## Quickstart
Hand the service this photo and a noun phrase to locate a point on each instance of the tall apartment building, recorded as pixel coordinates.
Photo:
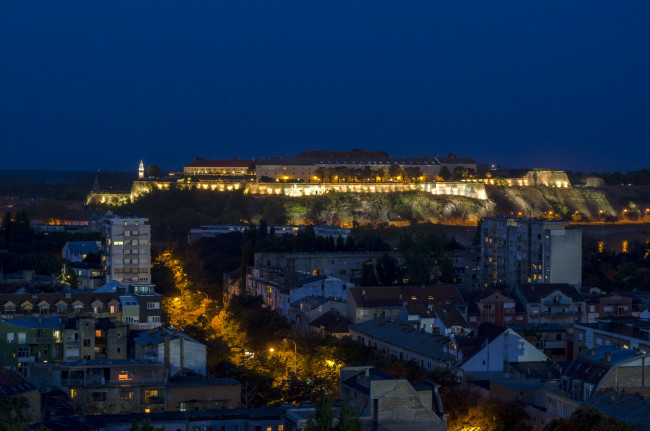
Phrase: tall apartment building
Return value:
(516, 251)
(126, 249)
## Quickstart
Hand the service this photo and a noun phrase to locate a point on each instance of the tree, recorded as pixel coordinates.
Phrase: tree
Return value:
(145, 425)
(153, 171)
(368, 277)
(7, 225)
(387, 271)
(323, 418)
(412, 174)
(11, 413)
(589, 418)
(250, 170)
(349, 419)
(445, 174)
(395, 171)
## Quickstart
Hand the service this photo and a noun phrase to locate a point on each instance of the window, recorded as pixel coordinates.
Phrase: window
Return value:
(10, 337)
(73, 393)
(99, 396)
(153, 319)
(126, 394)
(154, 305)
(123, 375)
(98, 333)
(86, 342)
(22, 337)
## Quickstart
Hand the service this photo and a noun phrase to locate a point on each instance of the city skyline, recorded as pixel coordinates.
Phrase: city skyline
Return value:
(89, 86)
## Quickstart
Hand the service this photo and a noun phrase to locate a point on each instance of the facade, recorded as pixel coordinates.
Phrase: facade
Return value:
(212, 231)
(627, 333)
(89, 275)
(493, 306)
(516, 251)
(177, 351)
(551, 338)
(346, 266)
(552, 303)
(388, 403)
(219, 167)
(126, 249)
(601, 306)
(488, 350)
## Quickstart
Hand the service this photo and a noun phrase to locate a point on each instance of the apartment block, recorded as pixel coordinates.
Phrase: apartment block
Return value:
(126, 249)
(516, 251)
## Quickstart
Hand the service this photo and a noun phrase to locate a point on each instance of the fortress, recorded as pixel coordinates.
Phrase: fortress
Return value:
(313, 173)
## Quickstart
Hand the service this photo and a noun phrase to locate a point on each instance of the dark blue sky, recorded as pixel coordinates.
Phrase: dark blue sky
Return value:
(88, 84)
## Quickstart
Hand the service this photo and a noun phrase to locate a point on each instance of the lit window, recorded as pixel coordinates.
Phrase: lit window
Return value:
(73, 393)
(123, 375)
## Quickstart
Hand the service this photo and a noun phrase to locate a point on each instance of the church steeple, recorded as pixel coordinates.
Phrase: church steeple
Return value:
(141, 170)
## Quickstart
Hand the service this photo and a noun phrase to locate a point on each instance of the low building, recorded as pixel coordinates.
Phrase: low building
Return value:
(346, 266)
(30, 340)
(600, 306)
(212, 231)
(493, 306)
(77, 251)
(599, 371)
(304, 311)
(627, 333)
(193, 393)
(89, 275)
(488, 350)
(551, 338)
(632, 408)
(220, 167)
(175, 349)
(330, 324)
(552, 303)
(389, 403)
(365, 303)
(441, 319)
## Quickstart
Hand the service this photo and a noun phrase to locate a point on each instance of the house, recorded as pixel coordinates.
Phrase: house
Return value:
(365, 303)
(551, 303)
(388, 403)
(188, 393)
(89, 275)
(493, 306)
(29, 340)
(489, 349)
(615, 305)
(598, 371)
(330, 323)
(13, 385)
(551, 338)
(403, 341)
(442, 319)
(175, 349)
(307, 309)
(77, 251)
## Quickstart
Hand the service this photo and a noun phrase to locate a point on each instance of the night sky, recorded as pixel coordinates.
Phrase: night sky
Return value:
(99, 85)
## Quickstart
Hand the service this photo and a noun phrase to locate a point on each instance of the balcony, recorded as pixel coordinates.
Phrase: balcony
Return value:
(42, 340)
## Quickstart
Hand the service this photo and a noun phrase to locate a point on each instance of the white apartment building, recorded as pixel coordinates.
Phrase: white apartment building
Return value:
(516, 251)
(126, 249)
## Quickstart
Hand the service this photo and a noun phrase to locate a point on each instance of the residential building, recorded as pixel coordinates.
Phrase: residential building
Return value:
(551, 338)
(516, 251)
(178, 351)
(488, 350)
(389, 403)
(25, 341)
(191, 393)
(467, 267)
(598, 371)
(444, 319)
(493, 306)
(126, 249)
(366, 303)
(89, 275)
(307, 309)
(279, 290)
(623, 332)
(77, 251)
(106, 386)
(330, 323)
(346, 266)
(403, 341)
(614, 305)
(631, 408)
(551, 303)
(13, 385)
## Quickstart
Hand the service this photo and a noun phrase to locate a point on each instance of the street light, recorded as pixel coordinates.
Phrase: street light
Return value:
(295, 355)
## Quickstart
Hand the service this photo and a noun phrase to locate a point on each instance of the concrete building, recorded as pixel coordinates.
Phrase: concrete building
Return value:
(516, 251)
(126, 249)
(607, 369)
(388, 403)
